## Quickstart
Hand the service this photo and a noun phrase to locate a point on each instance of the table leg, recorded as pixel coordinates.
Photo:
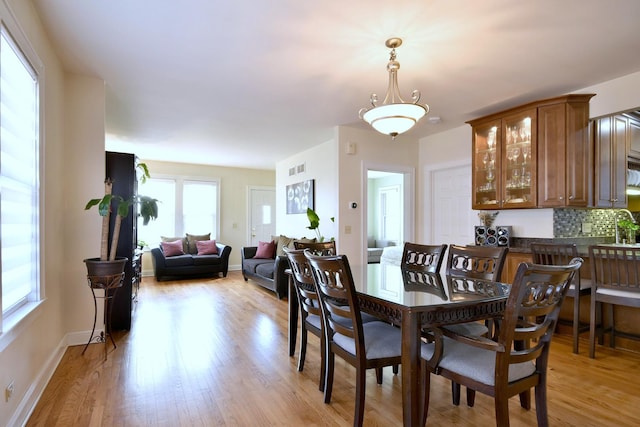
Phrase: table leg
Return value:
(293, 316)
(411, 377)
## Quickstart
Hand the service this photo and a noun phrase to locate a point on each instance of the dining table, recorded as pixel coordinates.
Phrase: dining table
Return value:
(416, 301)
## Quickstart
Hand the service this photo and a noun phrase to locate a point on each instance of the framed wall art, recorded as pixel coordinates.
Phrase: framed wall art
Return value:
(300, 197)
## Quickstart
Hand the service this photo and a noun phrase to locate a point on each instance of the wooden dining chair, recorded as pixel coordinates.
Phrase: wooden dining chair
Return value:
(423, 257)
(561, 254)
(317, 248)
(506, 367)
(310, 311)
(474, 262)
(371, 345)
(615, 280)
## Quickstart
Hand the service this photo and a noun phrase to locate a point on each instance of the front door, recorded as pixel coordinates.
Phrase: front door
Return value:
(262, 218)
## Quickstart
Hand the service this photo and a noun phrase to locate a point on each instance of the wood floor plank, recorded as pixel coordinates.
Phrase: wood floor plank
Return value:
(214, 353)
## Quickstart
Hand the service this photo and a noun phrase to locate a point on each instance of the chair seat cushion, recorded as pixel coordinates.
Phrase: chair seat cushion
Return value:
(381, 340)
(314, 320)
(469, 329)
(618, 293)
(476, 363)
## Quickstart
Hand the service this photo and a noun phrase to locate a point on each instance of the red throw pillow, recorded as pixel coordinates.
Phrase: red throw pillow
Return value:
(172, 248)
(206, 247)
(265, 250)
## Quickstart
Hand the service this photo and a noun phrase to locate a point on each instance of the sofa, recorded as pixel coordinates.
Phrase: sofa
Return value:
(269, 272)
(375, 248)
(189, 263)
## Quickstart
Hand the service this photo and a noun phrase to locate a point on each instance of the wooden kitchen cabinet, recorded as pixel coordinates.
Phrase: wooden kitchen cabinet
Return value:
(504, 161)
(564, 153)
(535, 155)
(611, 137)
(511, 265)
(634, 136)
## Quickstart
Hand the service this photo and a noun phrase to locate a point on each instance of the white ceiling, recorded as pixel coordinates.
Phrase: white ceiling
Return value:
(247, 83)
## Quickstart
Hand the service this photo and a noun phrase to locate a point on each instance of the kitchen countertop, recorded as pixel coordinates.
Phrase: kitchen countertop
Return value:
(521, 244)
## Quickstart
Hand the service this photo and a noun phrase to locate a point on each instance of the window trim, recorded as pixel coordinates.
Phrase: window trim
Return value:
(12, 324)
(179, 183)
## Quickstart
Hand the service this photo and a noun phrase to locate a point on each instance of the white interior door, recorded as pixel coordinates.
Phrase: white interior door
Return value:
(262, 214)
(452, 219)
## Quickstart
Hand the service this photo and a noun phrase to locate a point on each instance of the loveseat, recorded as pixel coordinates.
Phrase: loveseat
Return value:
(375, 248)
(268, 268)
(190, 263)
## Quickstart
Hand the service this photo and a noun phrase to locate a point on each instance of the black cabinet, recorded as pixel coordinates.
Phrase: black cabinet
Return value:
(121, 168)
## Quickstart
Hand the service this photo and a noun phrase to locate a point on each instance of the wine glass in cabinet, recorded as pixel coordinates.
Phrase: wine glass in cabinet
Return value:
(486, 165)
(504, 163)
(519, 192)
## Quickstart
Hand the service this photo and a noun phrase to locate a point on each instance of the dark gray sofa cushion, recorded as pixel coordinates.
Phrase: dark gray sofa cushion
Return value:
(179, 261)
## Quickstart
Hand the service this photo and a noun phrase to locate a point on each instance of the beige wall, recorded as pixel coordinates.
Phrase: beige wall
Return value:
(234, 184)
(321, 166)
(30, 352)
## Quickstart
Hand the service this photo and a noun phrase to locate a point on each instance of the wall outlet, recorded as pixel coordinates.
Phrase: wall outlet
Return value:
(8, 392)
(586, 227)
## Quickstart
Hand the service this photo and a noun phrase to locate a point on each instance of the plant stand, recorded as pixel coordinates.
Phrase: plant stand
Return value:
(110, 285)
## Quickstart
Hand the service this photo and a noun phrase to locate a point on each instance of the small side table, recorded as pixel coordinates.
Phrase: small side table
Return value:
(110, 285)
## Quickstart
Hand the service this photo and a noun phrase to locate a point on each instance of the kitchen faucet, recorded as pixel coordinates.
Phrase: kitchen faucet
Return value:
(616, 223)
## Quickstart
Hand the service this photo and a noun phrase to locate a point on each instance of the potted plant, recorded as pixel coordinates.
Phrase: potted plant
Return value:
(314, 223)
(103, 271)
(630, 229)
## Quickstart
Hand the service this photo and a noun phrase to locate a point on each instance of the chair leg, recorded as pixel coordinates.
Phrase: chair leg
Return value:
(379, 375)
(541, 405)
(471, 397)
(426, 382)
(323, 363)
(303, 347)
(360, 395)
(592, 328)
(576, 320)
(455, 393)
(525, 399)
(502, 412)
(612, 325)
(328, 384)
(395, 369)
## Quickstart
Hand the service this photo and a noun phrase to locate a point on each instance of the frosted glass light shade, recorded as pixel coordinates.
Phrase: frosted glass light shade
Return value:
(394, 119)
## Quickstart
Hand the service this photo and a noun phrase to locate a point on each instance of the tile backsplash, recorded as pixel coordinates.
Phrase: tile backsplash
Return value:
(569, 222)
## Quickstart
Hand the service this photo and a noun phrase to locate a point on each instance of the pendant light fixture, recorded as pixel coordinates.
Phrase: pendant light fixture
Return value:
(393, 116)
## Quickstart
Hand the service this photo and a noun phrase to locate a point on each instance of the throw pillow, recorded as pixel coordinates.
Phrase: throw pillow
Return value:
(172, 248)
(265, 250)
(192, 239)
(206, 247)
(173, 239)
(283, 242)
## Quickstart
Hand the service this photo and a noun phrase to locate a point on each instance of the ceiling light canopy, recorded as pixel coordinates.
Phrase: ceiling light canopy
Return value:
(394, 116)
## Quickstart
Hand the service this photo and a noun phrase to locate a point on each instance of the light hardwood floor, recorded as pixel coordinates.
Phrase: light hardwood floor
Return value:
(214, 353)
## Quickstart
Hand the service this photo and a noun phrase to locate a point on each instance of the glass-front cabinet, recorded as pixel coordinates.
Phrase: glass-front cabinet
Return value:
(504, 161)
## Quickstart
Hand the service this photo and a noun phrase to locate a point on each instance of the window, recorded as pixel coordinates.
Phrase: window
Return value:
(184, 206)
(19, 179)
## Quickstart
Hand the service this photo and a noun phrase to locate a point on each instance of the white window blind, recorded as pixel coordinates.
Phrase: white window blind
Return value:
(200, 200)
(19, 154)
(165, 191)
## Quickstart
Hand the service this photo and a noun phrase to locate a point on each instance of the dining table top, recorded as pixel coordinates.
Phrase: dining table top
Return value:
(413, 288)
